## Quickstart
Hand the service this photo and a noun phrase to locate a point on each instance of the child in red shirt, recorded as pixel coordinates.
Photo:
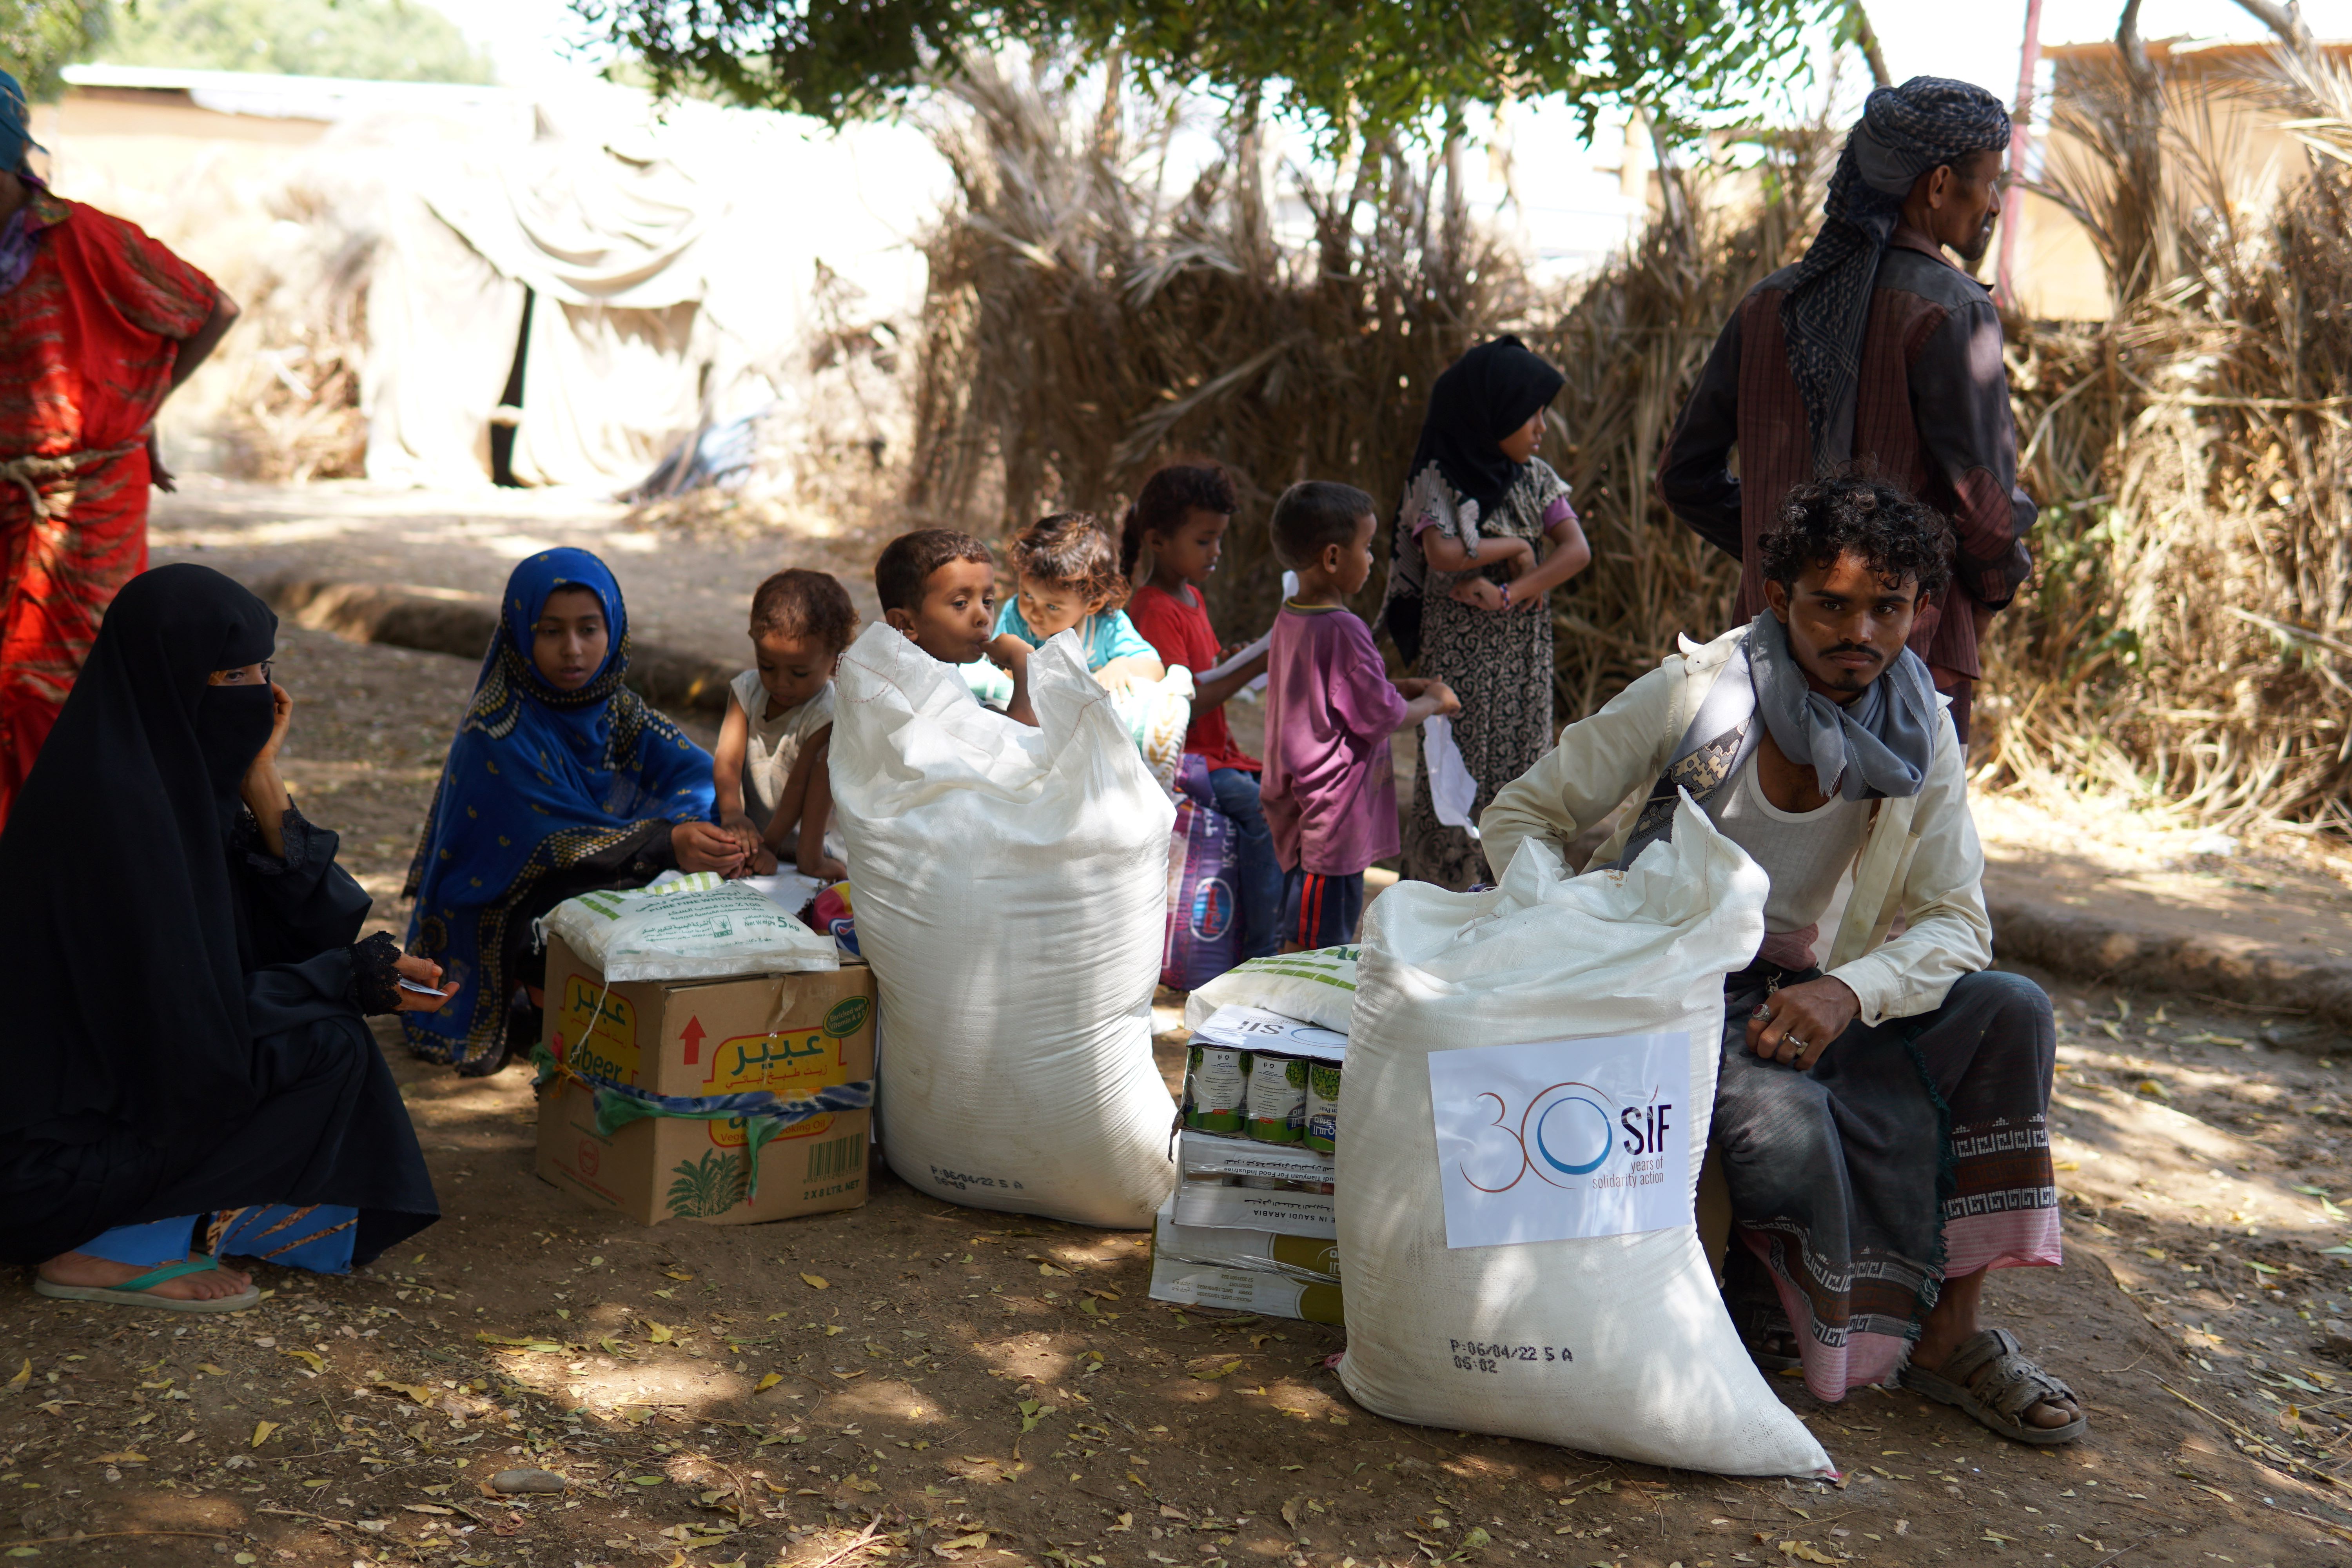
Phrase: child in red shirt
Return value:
(1169, 545)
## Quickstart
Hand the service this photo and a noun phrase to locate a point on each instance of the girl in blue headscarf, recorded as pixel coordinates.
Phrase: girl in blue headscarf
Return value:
(561, 780)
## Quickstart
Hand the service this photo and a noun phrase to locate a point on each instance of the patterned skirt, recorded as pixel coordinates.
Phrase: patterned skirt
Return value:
(1500, 664)
(1912, 1152)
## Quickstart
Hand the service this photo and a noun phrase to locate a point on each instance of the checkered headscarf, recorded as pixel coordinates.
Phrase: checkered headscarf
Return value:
(1905, 131)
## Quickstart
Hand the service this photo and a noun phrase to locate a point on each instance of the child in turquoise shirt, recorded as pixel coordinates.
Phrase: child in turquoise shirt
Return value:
(1070, 581)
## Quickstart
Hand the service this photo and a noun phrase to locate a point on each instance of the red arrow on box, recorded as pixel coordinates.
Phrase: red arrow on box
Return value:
(692, 1034)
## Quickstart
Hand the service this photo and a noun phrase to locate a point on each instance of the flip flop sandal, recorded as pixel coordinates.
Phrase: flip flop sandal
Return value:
(1992, 1378)
(134, 1292)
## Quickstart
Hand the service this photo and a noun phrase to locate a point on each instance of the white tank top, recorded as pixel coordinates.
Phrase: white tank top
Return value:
(1803, 852)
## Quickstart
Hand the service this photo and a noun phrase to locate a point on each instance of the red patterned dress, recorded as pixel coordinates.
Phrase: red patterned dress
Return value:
(88, 343)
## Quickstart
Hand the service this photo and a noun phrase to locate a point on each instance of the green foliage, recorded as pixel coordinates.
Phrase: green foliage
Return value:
(1348, 68)
(37, 37)
(708, 1187)
(377, 40)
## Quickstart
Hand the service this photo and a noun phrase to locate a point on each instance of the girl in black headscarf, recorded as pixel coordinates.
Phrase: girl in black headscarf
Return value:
(186, 1036)
(1465, 595)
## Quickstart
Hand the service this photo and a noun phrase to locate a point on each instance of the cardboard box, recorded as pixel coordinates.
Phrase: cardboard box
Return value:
(1225, 1154)
(1312, 1258)
(1245, 1270)
(791, 1034)
(1211, 1204)
(1245, 1290)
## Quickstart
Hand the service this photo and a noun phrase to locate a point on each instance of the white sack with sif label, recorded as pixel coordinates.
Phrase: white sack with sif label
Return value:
(1011, 893)
(1529, 1083)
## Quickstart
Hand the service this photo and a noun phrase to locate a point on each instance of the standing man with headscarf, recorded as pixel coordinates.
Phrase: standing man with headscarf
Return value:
(98, 324)
(1876, 349)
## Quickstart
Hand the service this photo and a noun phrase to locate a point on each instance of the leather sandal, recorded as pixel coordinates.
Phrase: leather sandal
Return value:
(1776, 1327)
(1992, 1378)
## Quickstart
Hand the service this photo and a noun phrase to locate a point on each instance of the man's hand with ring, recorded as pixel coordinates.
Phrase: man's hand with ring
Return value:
(1801, 1020)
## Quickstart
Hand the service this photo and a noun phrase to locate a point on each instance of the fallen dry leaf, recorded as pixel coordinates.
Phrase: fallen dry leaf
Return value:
(22, 1378)
(261, 1431)
(1225, 1371)
(311, 1359)
(126, 1458)
(415, 1391)
(815, 1283)
(769, 1381)
(657, 1333)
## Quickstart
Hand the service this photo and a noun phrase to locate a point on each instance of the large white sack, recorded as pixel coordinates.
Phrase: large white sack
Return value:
(1012, 893)
(1478, 1337)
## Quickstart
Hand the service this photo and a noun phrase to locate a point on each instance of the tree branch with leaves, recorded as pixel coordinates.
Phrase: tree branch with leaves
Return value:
(1352, 70)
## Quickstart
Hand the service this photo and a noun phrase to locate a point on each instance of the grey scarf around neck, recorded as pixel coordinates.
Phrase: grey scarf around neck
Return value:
(1879, 744)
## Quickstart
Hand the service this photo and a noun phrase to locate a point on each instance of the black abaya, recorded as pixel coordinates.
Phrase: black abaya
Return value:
(185, 1033)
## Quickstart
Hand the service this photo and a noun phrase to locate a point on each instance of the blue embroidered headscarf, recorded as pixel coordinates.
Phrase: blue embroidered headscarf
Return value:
(16, 235)
(537, 781)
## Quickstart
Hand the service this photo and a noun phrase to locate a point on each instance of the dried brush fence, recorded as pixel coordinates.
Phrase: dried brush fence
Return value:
(2189, 635)
(1081, 330)
(295, 415)
(1630, 341)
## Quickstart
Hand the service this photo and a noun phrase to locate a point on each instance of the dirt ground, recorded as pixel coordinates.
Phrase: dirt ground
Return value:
(910, 1380)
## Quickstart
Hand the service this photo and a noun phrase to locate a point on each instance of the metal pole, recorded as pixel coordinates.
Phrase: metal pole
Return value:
(2021, 139)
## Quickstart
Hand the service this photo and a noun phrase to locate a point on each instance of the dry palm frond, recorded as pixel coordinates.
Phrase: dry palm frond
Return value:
(295, 415)
(2190, 634)
(1081, 328)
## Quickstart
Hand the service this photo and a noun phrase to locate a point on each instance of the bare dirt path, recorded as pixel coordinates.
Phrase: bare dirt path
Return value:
(946, 1382)
(692, 594)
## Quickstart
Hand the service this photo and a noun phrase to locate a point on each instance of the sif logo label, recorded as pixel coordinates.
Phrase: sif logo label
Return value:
(1562, 1139)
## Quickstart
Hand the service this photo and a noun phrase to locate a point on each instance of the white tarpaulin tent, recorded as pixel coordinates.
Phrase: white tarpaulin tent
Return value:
(684, 264)
(606, 249)
(670, 258)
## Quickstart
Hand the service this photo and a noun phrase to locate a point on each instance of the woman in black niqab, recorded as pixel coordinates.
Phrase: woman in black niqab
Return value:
(187, 1035)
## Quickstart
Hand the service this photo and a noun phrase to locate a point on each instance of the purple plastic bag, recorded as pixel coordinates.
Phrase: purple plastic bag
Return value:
(1204, 935)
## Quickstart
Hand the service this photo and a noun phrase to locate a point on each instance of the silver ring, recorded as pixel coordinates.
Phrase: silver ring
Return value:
(1792, 1040)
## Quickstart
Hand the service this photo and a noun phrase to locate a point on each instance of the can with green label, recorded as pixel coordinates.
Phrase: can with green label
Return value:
(1323, 1107)
(1277, 1100)
(1216, 1084)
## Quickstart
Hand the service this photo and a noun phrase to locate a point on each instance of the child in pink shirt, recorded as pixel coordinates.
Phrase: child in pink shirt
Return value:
(1330, 707)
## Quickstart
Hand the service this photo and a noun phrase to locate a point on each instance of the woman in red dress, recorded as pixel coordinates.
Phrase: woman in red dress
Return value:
(98, 324)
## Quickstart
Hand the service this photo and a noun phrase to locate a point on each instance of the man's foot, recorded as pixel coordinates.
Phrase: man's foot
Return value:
(1775, 1350)
(1990, 1376)
(98, 1273)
